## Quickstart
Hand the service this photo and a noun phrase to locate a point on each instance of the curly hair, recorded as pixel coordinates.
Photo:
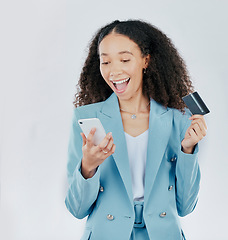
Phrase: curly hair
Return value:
(166, 79)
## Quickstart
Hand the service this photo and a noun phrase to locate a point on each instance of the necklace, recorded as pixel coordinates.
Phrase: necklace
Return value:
(133, 115)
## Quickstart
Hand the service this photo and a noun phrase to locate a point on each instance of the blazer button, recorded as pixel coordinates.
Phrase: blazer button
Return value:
(101, 189)
(170, 187)
(163, 214)
(110, 217)
(173, 159)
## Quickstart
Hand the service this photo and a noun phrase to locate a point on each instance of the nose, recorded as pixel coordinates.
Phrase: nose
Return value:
(115, 71)
(116, 74)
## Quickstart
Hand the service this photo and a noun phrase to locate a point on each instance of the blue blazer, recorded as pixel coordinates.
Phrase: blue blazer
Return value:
(109, 191)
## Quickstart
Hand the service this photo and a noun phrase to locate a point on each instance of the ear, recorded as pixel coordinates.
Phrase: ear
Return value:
(146, 60)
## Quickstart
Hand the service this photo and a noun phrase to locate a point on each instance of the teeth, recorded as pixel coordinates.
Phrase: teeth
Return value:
(119, 82)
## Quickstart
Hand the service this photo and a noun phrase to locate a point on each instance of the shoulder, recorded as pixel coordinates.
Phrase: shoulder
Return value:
(88, 111)
(91, 110)
(181, 120)
(180, 116)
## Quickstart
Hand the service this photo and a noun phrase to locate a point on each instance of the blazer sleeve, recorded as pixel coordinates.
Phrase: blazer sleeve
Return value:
(82, 193)
(187, 177)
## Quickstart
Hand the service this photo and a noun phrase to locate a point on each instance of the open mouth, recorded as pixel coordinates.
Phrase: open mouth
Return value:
(121, 86)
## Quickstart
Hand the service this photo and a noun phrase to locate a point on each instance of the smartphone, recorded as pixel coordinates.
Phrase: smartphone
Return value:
(89, 123)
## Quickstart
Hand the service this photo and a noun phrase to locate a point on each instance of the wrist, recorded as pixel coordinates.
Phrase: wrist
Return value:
(187, 150)
(86, 171)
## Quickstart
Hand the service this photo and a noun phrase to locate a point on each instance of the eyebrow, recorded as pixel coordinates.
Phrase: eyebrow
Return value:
(122, 52)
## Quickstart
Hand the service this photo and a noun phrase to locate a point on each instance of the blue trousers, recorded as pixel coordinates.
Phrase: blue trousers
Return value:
(139, 231)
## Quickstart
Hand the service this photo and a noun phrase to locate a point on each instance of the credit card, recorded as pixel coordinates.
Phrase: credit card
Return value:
(195, 104)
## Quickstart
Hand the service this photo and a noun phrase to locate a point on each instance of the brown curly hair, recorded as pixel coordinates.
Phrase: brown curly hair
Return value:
(166, 79)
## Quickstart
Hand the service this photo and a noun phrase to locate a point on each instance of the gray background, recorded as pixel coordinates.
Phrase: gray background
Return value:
(43, 46)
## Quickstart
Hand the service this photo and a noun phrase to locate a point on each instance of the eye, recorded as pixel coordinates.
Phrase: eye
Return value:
(105, 63)
(126, 60)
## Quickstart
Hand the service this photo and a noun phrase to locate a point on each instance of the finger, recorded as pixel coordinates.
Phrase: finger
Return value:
(193, 135)
(105, 141)
(83, 139)
(197, 130)
(204, 123)
(90, 137)
(201, 125)
(112, 150)
(201, 118)
(109, 145)
(197, 116)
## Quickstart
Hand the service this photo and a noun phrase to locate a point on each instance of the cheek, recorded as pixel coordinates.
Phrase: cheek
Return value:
(135, 71)
(135, 68)
(103, 72)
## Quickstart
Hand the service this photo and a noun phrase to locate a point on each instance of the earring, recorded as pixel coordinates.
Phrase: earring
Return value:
(144, 70)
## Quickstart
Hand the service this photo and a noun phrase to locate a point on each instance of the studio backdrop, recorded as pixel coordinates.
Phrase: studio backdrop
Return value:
(44, 45)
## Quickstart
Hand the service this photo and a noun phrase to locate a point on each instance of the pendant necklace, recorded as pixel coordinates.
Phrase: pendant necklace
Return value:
(133, 115)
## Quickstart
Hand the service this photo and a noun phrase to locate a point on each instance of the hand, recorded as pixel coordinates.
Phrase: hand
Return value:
(195, 133)
(93, 155)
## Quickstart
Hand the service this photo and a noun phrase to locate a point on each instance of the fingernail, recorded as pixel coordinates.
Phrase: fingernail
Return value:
(110, 134)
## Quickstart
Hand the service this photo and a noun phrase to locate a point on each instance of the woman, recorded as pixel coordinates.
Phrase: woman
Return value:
(145, 172)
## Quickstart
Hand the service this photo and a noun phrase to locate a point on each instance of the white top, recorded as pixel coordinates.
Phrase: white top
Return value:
(137, 153)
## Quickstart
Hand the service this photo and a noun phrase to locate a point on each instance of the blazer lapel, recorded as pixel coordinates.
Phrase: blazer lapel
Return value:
(111, 119)
(160, 123)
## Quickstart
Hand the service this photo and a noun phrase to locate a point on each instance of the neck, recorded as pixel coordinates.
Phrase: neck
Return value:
(135, 104)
